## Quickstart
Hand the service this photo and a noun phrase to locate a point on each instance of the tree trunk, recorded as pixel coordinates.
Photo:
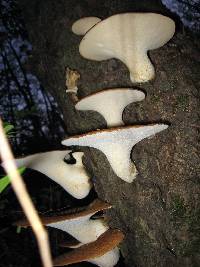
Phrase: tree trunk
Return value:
(159, 211)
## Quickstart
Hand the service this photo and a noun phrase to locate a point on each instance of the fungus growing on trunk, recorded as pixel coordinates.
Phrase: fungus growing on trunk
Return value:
(110, 103)
(116, 144)
(128, 37)
(101, 252)
(81, 26)
(72, 177)
(77, 224)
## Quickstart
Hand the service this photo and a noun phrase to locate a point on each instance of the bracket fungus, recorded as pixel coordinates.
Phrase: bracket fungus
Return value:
(102, 252)
(81, 26)
(77, 224)
(72, 177)
(110, 103)
(116, 144)
(128, 37)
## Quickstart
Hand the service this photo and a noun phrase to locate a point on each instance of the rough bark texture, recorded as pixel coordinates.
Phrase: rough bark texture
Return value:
(159, 211)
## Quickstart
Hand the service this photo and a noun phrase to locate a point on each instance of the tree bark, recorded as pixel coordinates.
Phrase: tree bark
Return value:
(159, 211)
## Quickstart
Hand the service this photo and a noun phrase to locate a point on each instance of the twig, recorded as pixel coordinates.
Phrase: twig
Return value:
(24, 199)
(72, 77)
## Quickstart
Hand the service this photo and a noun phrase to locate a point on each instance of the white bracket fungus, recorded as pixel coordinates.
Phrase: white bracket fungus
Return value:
(77, 224)
(128, 37)
(110, 103)
(81, 26)
(102, 252)
(116, 144)
(72, 177)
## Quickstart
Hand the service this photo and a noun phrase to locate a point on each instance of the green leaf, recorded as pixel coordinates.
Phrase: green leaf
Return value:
(21, 170)
(5, 181)
(8, 127)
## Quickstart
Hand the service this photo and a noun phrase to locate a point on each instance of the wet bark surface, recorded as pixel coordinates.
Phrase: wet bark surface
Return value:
(159, 211)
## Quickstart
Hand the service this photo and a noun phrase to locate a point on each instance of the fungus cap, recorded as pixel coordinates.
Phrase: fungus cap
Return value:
(128, 37)
(77, 224)
(73, 178)
(100, 251)
(110, 103)
(109, 259)
(116, 144)
(81, 26)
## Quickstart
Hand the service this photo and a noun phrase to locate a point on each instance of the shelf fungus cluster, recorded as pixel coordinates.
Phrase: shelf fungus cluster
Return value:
(95, 242)
(126, 37)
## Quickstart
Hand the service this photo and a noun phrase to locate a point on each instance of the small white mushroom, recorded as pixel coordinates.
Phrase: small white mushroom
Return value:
(102, 252)
(110, 103)
(77, 224)
(128, 37)
(116, 144)
(72, 177)
(81, 26)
